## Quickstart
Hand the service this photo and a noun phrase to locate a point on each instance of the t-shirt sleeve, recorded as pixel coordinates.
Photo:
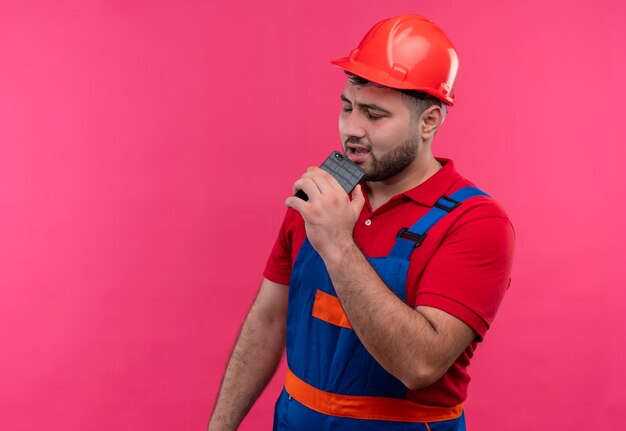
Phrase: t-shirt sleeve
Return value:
(469, 274)
(280, 261)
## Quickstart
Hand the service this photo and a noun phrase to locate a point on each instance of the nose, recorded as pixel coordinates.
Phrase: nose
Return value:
(350, 125)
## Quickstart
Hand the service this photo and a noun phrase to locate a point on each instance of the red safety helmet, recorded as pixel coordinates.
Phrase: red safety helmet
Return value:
(407, 52)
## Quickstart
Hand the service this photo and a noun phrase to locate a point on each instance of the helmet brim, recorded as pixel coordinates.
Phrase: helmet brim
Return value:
(383, 78)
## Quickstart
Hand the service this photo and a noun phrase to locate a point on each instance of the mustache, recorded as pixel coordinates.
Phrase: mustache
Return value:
(356, 140)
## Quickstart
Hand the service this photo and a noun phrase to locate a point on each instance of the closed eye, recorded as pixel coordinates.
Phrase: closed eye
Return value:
(373, 117)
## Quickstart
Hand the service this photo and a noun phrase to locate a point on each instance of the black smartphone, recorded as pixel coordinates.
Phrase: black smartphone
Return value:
(339, 166)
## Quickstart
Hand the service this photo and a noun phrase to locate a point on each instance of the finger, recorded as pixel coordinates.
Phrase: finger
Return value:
(307, 174)
(326, 181)
(334, 182)
(323, 183)
(358, 200)
(308, 186)
(295, 203)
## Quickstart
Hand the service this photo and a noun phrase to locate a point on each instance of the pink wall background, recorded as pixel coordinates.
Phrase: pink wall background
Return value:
(146, 148)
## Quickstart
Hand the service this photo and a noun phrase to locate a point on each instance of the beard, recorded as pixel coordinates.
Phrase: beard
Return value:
(393, 162)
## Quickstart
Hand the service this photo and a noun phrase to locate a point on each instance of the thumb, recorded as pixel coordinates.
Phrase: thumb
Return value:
(358, 200)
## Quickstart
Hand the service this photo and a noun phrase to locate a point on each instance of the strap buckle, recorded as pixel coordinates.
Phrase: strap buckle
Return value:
(442, 203)
(404, 233)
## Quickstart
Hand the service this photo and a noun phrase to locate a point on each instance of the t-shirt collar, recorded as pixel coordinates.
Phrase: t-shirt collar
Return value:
(428, 192)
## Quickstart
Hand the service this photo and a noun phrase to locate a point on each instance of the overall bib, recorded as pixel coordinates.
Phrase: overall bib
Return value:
(332, 382)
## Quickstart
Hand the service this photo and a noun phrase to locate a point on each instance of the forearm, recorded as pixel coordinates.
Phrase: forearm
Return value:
(401, 339)
(252, 364)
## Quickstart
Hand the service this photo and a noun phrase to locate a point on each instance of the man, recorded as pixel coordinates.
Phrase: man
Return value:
(380, 297)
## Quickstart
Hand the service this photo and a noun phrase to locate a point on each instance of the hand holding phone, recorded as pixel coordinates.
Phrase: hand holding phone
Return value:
(339, 166)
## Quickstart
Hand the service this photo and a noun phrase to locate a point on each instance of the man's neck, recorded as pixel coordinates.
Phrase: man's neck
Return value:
(379, 192)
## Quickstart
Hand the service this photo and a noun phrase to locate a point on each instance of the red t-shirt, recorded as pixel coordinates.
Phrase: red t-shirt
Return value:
(463, 266)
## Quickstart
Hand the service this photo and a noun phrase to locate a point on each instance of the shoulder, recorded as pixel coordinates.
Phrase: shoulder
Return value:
(477, 207)
(292, 232)
(293, 222)
(478, 243)
(480, 224)
(286, 247)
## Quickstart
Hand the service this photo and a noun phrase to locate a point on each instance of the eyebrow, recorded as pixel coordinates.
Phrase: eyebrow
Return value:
(365, 105)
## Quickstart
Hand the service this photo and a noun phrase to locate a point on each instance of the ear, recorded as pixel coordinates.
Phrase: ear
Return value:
(431, 120)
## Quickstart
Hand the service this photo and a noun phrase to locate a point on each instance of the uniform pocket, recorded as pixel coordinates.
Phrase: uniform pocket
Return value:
(327, 307)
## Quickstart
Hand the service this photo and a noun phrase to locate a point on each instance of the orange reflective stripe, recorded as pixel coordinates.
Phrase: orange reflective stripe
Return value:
(328, 308)
(362, 407)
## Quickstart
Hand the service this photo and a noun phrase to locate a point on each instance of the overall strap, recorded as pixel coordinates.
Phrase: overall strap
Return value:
(412, 237)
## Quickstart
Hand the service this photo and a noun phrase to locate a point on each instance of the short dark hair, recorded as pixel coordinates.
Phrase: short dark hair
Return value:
(417, 101)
